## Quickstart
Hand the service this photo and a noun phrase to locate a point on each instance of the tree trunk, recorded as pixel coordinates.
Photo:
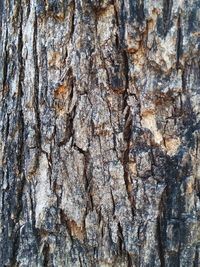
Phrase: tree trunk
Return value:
(99, 133)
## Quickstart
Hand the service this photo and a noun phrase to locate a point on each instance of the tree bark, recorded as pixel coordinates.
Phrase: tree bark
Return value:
(99, 132)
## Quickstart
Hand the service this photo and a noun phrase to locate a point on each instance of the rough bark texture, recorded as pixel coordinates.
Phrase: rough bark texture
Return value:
(100, 109)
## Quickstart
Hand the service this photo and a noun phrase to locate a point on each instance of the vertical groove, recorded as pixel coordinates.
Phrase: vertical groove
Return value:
(160, 243)
(167, 8)
(36, 84)
(179, 42)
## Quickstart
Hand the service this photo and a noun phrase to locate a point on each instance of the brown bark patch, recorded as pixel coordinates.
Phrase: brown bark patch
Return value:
(61, 91)
(76, 230)
(54, 59)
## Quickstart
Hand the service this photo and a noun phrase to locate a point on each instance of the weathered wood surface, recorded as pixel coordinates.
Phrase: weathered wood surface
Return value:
(100, 108)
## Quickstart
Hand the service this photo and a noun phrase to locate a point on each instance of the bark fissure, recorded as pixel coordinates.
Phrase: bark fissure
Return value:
(99, 133)
(167, 7)
(179, 42)
(36, 87)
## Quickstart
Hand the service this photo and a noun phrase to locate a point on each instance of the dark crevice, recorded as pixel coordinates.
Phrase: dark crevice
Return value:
(65, 221)
(167, 8)
(127, 138)
(32, 204)
(137, 11)
(184, 80)
(19, 185)
(71, 81)
(69, 131)
(122, 21)
(128, 127)
(80, 261)
(21, 148)
(179, 42)
(116, 16)
(45, 252)
(28, 8)
(117, 41)
(44, 74)
(196, 259)
(80, 150)
(1, 17)
(140, 11)
(113, 201)
(5, 64)
(88, 180)
(7, 127)
(36, 85)
(16, 240)
(126, 69)
(120, 239)
(130, 264)
(72, 19)
(160, 243)
(126, 76)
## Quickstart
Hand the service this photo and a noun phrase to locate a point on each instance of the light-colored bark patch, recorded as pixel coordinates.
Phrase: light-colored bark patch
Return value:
(149, 122)
(172, 145)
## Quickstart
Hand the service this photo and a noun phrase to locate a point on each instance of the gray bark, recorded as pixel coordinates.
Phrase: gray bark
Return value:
(99, 133)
